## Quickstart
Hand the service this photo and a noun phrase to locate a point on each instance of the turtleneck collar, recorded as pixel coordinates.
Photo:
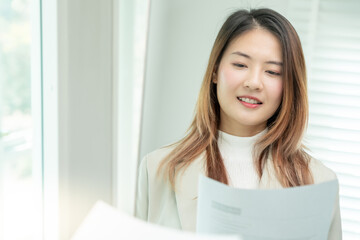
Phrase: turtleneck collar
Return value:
(239, 142)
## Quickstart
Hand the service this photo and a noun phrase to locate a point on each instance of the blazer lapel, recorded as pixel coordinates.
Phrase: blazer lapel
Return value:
(186, 189)
(186, 192)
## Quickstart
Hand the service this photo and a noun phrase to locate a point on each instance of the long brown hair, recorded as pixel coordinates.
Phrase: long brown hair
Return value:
(282, 142)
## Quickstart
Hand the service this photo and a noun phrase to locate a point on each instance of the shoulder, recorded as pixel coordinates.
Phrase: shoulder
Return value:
(320, 172)
(152, 160)
(160, 153)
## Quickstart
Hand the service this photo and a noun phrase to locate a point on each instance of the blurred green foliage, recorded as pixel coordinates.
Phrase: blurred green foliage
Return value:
(15, 75)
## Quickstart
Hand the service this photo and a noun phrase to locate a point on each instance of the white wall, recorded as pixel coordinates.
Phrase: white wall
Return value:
(181, 35)
(78, 125)
(130, 38)
(88, 94)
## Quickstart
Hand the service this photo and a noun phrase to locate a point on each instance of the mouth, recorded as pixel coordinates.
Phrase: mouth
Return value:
(248, 100)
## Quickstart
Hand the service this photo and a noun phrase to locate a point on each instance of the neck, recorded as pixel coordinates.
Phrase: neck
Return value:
(242, 131)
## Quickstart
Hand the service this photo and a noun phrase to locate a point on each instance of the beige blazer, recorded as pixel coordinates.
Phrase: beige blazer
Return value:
(158, 203)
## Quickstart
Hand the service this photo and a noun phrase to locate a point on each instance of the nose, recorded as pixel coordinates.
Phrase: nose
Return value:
(254, 81)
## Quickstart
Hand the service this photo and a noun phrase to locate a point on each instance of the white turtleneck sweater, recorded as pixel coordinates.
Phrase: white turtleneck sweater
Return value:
(238, 159)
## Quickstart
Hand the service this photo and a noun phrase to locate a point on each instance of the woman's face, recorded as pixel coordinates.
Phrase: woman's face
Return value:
(249, 82)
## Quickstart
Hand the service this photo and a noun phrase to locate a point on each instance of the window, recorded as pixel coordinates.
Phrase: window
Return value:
(330, 34)
(20, 114)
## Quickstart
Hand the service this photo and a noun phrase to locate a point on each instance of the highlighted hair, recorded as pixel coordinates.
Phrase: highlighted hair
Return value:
(282, 143)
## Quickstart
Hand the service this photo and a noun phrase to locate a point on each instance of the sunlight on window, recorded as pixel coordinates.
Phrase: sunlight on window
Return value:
(17, 195)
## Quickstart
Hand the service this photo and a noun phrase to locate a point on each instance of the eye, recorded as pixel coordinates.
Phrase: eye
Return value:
(273, 73)
(239, 65)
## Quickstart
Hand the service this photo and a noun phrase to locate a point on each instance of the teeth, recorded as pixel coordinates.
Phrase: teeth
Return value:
(249, 100)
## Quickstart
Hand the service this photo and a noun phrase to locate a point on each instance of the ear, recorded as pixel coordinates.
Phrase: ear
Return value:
(214, 74)
(214, 77)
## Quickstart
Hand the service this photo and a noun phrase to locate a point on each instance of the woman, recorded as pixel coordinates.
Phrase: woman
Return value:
(250, 118)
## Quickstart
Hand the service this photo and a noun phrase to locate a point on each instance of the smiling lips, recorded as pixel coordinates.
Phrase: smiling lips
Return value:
(249, 102)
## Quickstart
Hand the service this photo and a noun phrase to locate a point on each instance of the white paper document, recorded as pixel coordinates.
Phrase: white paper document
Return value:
(107, 223)
(298, 213)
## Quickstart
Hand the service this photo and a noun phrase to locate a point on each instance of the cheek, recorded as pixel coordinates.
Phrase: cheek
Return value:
(228, 78)
(276, 89)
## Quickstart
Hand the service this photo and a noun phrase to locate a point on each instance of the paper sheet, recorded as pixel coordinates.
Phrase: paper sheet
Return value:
(292, 213)
(107, 223)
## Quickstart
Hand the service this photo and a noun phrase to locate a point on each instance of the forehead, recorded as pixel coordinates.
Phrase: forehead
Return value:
(257, 43)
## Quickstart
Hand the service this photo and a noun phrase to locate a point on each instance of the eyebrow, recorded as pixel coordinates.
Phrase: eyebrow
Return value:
(247, 56)
(241, 54)
(274, 62)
